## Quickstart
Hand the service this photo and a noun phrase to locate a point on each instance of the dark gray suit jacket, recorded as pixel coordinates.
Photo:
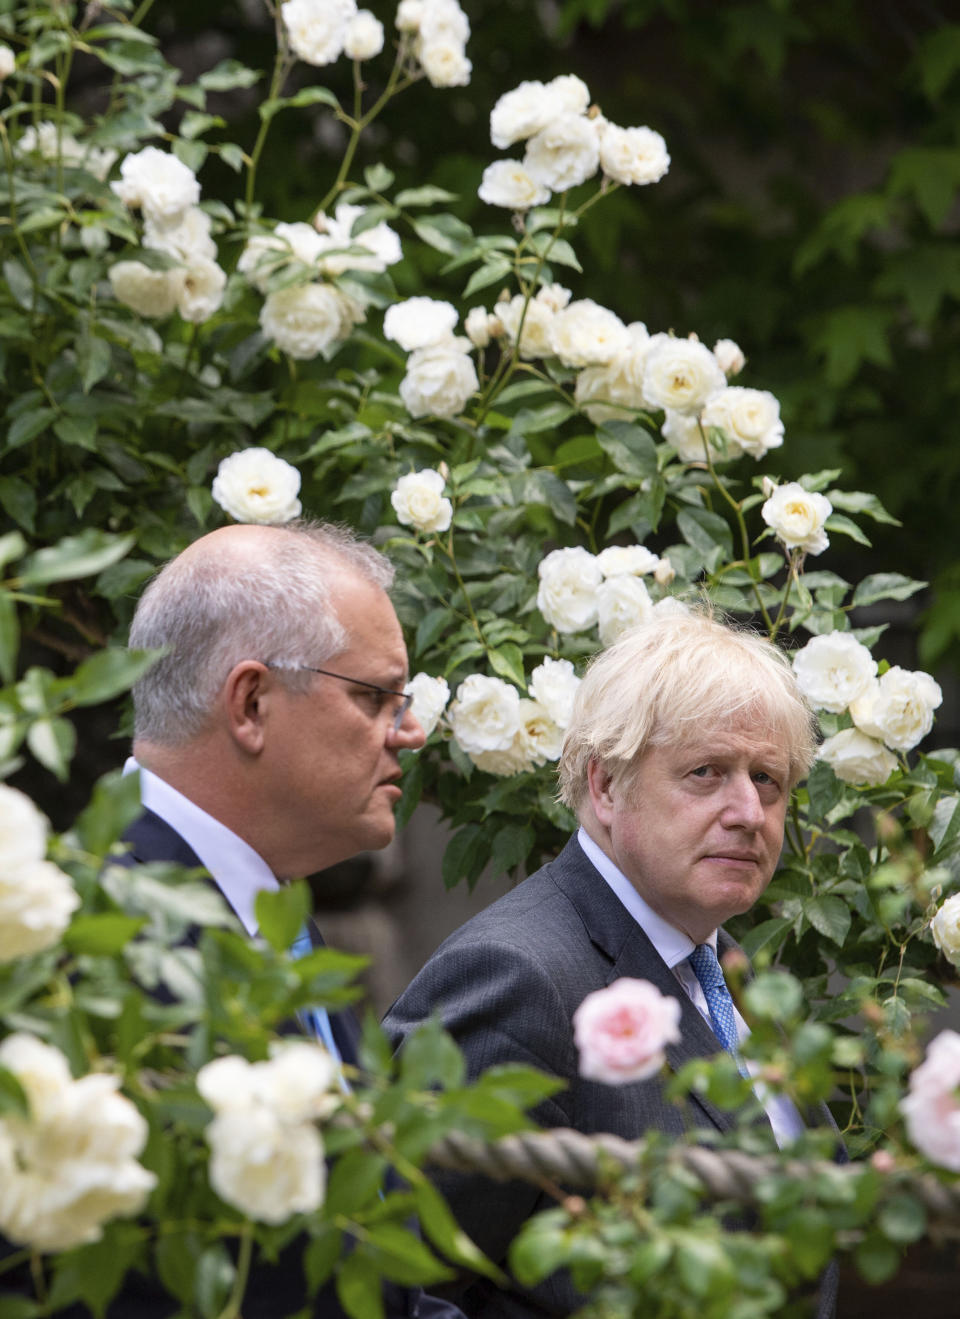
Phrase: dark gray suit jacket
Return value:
(506, 986)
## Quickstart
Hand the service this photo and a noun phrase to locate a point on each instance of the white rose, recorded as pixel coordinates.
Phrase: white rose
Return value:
(565, 153)
(23, 830)
(8, 62)
(439, 380)
(47, 141)
(152, 293)
(228, 1082)
(201, 290)
(682, 432)
(381, 243)
(430, 697)
(633, 155)
(254, 485)
(307, 320)
(534, 337)
(444, 20)
(185, 239)
(36, 903)
(617, 559)
(536, 741)
(569, 93)
(300, 1081)
(159, 183)
(932, 1107)
(586, 334)
(317, 28)
(521, 113)
(622, 1031)
(898, 707)
(797, 517)
(42, 1070)
(832, 670)
(364, 36)
(749, 420)
(670, 606)
(267, 1168)
(664, 572)
(622, 603)
(485, 715)
(419, 322)
(681, 374)
(729, 355)
(264, 254)
(409, 14)
(506, 183)
(856, 758)
(477, 326)
(567, 595)
(418, 501)
(553, 685)
(445, 63)
(945, 929)
(612, 391)
(553, 296)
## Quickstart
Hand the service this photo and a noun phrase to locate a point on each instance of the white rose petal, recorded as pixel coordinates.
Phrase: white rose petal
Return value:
(586, 334)
(300, 1080)
(201, 289)
(683, 433)
(254, 485)
(23, 830)
(485, 715)
(418, 501)
(534, 337)
(478, 326)
(898, 707)
(317, 28)
(617, 559)
(613, 391)
(553, 685)
(159, 183)
(623, 602)
(419, 322)
(506, 183)
(521, 113)
(440, 380)
(748, 419)
(364, 36)
(153, 293)
(371, 249)
(680, 375)
(537, 740)
(945, 929)
(730, 358)
(563, 154)
(409, 14)
(445, 63)
(430, 697)
(444, 20)
(832, 670)
(36, 903)
(633, 155)
(856, 758)
(622, 1031)
(308, 320)
(186, 239)
(664, 572)
(569, 93)
(569, 582)
(266, 1168)
(932, 1106)
(797, 517)
(8, 62)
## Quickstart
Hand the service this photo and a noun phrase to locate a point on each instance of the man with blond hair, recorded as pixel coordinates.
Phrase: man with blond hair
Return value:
(687, 738)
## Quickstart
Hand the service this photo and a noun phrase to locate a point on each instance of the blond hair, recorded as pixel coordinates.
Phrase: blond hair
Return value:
(670, 679)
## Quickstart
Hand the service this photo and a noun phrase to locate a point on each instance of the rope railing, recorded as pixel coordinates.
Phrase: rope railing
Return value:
(577, 1162)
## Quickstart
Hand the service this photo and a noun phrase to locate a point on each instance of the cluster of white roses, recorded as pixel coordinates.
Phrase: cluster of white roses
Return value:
(266, 1154)
(311, 316)
(254, 485)
(440, 375)
(890, 713)
(71, 1165)
(579, 590)
(566, 143)
(36, 898)
(50, 142)
(418, 501)
(167, 192)
(438, 31)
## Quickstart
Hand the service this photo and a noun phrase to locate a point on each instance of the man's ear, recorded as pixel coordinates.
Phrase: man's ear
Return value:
(244, 695)
(601, 789)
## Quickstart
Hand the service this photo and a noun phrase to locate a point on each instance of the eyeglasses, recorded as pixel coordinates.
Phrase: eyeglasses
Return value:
(406, 698)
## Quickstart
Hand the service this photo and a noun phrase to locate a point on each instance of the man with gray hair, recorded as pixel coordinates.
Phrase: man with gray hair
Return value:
(267, 738)
(686, 740)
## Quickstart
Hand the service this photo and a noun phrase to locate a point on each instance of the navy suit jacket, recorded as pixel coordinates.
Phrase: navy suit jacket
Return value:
(506, 986)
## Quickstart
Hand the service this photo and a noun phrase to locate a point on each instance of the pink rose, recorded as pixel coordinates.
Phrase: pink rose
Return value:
(932, 1108)
(621, 1031)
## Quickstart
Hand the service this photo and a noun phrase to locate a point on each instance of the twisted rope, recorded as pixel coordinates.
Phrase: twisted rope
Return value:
(577, 1162)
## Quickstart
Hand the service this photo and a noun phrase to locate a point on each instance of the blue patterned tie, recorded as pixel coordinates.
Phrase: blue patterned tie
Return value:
(703, 959)
(316, 1020)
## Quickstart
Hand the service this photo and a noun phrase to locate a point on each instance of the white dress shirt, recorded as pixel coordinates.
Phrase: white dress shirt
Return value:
(675, 948)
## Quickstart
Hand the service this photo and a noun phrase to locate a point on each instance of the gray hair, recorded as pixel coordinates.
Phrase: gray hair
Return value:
(668, 680)
(213, 606)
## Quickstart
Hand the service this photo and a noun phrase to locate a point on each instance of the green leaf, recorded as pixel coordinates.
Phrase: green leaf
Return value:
(358, 1288)
(13, 1098)
(108, 673)
(885, 586)
(824, 790)
(9, 638)
(321, 1255)
(282, 913)
(512, 844)
(876, 1258)
(28, 426)
(424, 196)
(767, 932)
(444, 233)
(631, 447)
(228, 75)
(493, 271)
(507, 661)
(442, 1230)
(378, 178)
(811, 1237)
(847, 337)
(837, 522)
(830, 916)
(538, 1250)
(103, 935)
(402, 1257)
(707, 532)
(114, 804)
(356, 1180)
(53, 742)
(75, 556)
(214, 1279)
(903, 1218)
(459, 855)
(431, 1058)
(775, 996)
(931, 175)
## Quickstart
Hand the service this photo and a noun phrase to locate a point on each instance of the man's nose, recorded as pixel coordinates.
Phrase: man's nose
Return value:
(742, 807)
(409, 736)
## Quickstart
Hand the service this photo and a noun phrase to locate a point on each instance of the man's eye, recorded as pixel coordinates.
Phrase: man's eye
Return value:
(701, 771)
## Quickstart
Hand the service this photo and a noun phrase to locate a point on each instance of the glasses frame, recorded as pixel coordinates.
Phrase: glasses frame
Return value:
(406, 697)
